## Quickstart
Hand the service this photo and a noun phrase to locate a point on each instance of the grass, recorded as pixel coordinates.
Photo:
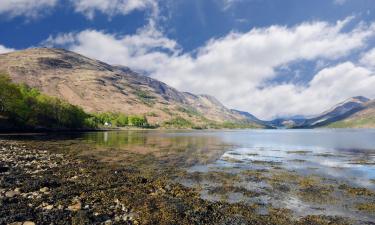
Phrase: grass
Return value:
(354, 123)
(145, 97)
(189, 111)
(178, 122)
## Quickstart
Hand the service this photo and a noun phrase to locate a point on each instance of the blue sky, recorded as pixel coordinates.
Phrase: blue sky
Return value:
(269, 57)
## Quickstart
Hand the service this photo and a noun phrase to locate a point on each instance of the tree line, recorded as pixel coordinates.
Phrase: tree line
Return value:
(27, 107)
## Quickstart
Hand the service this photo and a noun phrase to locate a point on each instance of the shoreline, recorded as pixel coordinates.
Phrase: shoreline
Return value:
(51, 184)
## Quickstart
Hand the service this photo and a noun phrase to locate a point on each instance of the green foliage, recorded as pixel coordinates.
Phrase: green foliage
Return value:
(119, 120)
(138, 121)
(27, 107)
(152, 114)
(189, 110)
(354, 123)
(167, 111)
(145, 97)
(179, 122)
(231, 125)
(122, 120)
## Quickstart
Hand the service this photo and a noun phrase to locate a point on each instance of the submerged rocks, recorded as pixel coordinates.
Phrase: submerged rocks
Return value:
(65, 189)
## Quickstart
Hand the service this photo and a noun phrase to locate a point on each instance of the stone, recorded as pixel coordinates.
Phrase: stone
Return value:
(28, 223)
(48, 207)
(15, 223)
(76, 206)
(44, 189)
(11, 194)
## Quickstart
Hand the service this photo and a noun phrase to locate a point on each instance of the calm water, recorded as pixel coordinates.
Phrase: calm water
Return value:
(337, 156)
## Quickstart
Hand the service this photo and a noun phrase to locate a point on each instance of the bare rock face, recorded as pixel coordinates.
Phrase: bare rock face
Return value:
(99, 87)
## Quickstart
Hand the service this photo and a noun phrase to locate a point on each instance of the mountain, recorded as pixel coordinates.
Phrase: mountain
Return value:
(247, 115)
(251, 118)
(338, 112)
(364, 118)
(286, 122)
(100, 87)
(352, 109)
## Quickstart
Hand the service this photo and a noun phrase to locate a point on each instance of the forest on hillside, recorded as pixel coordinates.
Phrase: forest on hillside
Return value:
(23, 107)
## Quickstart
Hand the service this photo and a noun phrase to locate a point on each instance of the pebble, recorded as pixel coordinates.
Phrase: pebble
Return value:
(108, 222)
(74, 178)
(11, 194)
(76, 206)
(48, 207)
(28, 223)
(44, 190)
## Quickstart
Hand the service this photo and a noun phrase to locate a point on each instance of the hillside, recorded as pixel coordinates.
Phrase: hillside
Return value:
(364, 118)
(99, 87)
(338, 112)
(354, 112)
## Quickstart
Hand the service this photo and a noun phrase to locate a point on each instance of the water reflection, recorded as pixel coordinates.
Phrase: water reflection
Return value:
(166, 148)
(251, 166)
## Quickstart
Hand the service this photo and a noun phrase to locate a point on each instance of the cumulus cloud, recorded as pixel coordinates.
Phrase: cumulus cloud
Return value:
(27, 8)
(237, 67)
(4, 49)
(145, 51)
(112, 7)
(368, 59)
(328, 87)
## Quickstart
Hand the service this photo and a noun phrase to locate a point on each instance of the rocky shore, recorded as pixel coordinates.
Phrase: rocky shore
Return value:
(40, 185)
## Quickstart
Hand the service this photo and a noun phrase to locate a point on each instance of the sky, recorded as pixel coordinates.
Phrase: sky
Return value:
(272, 58)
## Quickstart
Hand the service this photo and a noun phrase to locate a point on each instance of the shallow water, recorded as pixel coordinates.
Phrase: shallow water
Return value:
(307, 171)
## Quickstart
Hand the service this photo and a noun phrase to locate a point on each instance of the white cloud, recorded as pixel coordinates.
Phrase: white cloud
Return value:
(27, 8)
(368, 59)
(236, 68)
(112, 7)
(328, 87)
(4, 49)
(145, 51)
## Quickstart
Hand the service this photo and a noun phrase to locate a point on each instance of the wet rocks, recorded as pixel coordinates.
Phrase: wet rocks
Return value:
(12, 193)
(76, 206)
(58, 187)
(28, 223)
(23, 223)
(44, 190)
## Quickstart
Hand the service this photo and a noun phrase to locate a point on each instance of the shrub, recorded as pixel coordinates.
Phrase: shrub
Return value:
(179, 122)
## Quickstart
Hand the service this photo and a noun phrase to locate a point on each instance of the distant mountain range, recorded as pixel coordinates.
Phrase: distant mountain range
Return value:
(100, 87)
(354, 112)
